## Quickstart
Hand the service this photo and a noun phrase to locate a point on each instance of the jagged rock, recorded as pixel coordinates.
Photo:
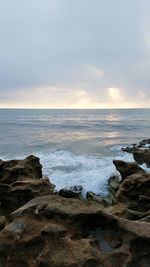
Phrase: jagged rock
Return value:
(135, 190)
(19, 183)
(35, 187)
(144, 142)
(13, 170)
(18, 193)
(56, 231)
(142, 156)
(72, 192)
(92, 196)
(60, 232)
(127, 168)
(104, 201)
(113, 184)
(130, 149)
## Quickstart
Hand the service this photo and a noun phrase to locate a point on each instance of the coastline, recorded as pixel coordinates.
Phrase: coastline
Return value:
(41, 227)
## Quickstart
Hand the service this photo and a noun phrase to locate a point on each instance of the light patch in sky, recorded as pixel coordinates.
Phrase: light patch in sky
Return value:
(115, 94)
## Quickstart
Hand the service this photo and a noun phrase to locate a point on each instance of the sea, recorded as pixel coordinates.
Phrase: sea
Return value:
(75, 147)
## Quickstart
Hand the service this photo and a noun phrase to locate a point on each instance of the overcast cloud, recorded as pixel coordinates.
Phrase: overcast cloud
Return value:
(74, 53)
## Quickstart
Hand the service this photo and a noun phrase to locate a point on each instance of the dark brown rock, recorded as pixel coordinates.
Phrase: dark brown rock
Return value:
(142, 156)
(2, 222)
(145, 142)
(113, 184)
(35, 187)
(130, 149)
(127, 168)
(135, 191)
(18, 193)
(72, 192)
(13, 170)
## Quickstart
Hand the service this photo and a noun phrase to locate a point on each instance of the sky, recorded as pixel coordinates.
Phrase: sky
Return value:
(74, 54)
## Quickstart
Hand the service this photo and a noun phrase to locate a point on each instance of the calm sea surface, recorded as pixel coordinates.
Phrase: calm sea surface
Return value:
(75, 146)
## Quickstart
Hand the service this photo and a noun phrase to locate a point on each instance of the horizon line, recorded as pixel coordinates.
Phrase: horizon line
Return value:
(24, 108)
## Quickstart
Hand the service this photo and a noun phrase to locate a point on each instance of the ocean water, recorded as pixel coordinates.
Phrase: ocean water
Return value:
(76, 147)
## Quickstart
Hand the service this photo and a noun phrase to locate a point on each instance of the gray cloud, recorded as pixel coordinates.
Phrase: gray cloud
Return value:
(82, 48)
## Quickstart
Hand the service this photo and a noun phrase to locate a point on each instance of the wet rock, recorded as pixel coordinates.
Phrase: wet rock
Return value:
(72, 192)
(142, 156)
(13, 170)
(127, 168)
(130, 149)
(144, 142)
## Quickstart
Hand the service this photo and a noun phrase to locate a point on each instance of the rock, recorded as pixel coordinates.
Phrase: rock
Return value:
(129, 149)
(142, 156)
(18, 193)
(19, 183)
(35, 187)
(62, 232)
(108, 200)
(113, 184)
(51, 230)
(72, 192)
(13, 170)
(144, 142)
(92, 196)
(135, 190)
(104, 201)
(127, 168)
(2, 222)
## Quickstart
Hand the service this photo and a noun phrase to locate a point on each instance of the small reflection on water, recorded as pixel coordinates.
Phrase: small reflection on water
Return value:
(112, 134)
(113, 117)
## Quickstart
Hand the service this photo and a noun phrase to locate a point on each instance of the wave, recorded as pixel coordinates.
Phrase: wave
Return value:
(66, 169)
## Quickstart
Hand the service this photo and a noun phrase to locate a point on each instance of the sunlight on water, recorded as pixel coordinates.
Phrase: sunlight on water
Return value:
(75, 146)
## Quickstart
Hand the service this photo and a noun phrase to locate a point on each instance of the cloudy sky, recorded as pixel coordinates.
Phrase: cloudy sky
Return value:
(74, 53)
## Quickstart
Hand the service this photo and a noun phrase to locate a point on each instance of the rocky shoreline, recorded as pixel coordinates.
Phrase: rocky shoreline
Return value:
(40, 227)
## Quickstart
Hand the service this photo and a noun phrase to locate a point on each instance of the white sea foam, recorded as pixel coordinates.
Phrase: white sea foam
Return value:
(66, 169)
(144, 166)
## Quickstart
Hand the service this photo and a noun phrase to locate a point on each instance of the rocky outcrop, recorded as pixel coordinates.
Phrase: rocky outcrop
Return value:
(39, 228)
(56, 231)
(145, 142)
(127, 168)
(137, 147)
(13, 170)
(20, 181)
(135, 190)
(142, 156)
(17, 194)
(131, 149)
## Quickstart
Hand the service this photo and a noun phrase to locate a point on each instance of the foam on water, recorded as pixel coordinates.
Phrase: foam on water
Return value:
(144, 166)
(66, 169)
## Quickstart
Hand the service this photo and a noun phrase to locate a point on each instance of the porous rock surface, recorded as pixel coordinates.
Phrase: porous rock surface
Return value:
(47, 230)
